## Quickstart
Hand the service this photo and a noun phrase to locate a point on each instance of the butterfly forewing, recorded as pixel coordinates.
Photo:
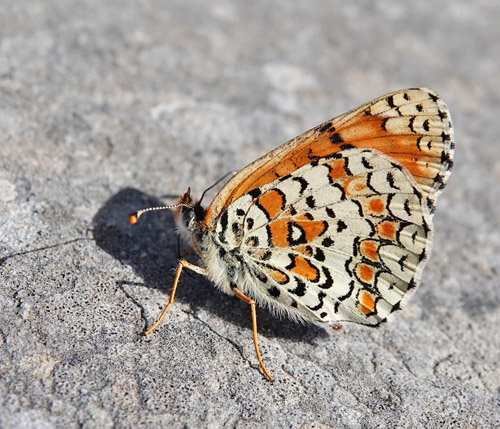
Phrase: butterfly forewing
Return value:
(412, 126)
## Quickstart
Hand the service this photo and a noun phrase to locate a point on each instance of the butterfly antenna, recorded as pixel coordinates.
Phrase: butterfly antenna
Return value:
(134, 217)
(232, 173)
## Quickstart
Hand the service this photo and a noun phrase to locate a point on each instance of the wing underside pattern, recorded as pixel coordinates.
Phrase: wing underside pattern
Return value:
(411, 126)
(342, 238)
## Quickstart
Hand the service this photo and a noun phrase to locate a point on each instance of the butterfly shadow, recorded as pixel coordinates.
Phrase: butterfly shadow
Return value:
(149, 247)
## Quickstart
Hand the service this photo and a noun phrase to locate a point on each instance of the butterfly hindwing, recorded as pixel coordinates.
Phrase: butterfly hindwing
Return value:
(343, 238)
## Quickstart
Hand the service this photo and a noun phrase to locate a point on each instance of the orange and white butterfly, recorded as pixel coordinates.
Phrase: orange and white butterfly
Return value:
(336, 224)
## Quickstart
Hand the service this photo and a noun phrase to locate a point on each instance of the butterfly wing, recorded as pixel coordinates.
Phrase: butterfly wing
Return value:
(412, 126)
(342, 238)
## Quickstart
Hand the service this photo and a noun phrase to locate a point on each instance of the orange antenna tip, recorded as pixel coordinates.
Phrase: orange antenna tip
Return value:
(133, 218)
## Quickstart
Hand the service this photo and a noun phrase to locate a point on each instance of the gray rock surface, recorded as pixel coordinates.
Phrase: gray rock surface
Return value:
(106, 107)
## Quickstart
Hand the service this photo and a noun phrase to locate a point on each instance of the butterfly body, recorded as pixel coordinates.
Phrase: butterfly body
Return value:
(311, 245)
(336, 224)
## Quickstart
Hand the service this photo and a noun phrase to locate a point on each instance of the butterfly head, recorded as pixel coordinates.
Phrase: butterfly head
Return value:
(189, 211)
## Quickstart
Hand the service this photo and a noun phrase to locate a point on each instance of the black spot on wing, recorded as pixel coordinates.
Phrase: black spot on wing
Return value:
(410, 124)
(328, 283)
(346, 266)
(372, 226)
(235, 227)
(402, 261)
(346, 166)
(274, 292)
(360, 208)
(388, 205)
(327, 242)
(330, 212)
(341, 189)
(296, 234)
(390, 180)
(223, 223)
(445, 159)
(250, 223)
(347, 146)
(412, 284)
(344, 297)
(326, 127)
(303, 184)
(407, 207)
(434, 97)
(446, 137)
(285, 177)
(366, 164)
(267, 255)
(442, 115)
(319, 255)
(369, 185)
(255, 193)
(300, 289)
(321, 295)
(336, 139)
(341, 226)
(418, 142)
(252, 241)
(260, 275)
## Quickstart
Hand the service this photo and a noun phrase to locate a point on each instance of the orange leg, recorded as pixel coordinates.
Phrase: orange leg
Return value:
(182, 264)
(250, 301)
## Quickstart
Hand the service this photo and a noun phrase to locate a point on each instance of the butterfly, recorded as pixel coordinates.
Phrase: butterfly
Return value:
(333, 226)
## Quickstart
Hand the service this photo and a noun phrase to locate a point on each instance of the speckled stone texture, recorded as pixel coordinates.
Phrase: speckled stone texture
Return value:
(111, 106)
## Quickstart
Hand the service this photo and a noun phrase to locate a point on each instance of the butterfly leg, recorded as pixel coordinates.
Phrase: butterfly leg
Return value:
(251, 302)
(182, 264)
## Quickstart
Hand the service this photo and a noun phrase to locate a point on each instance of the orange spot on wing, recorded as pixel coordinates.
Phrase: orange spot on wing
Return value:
(280, 277)
(273, 202)
(354, 185)
(306, 250)
(301, 217)
(365, 272)
(376, 205)
(386, 229)
(279, 232)
(337, 170)
(358, 187)
(369, 249)
(346, 183)
(304, 269)
(312, 229)
(366, 302)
